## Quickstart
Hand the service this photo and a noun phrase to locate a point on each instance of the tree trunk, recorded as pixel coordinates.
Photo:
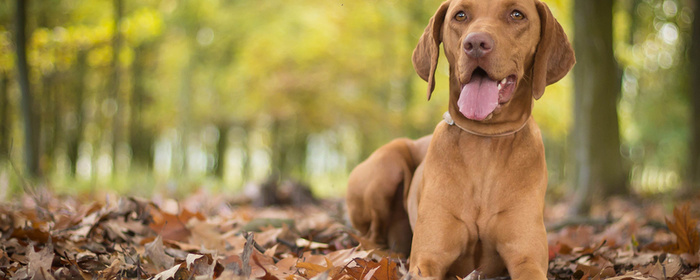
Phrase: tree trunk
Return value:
(298, 165)
(115, 87)
(140, 138)
(76, 134)
(31, 143)
(5, 122)
(221, 147)
(597, 159)
(185, 121)
(278, 152)
(244, 136)
(634, 19)
(49, 116)
(694, 88)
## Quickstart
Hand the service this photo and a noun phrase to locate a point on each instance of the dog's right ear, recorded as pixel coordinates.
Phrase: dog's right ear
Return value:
(425, 56)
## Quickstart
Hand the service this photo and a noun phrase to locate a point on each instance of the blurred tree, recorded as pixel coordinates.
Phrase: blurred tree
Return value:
(694, 92)
(42, 54)
(6, 65)
(76, 134)
(652, 38)
(142, 30)
(5, 121)
(140, 136)
(115, 86)
(31, 125)
(598, 163)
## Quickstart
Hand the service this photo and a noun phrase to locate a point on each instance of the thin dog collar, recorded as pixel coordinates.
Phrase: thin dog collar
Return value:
(448, 119)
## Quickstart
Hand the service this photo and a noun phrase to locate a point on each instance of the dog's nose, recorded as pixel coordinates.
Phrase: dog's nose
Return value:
(478, 44)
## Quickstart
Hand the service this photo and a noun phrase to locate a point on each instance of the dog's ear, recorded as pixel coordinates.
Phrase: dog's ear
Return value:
(554, 57)
(425, 56)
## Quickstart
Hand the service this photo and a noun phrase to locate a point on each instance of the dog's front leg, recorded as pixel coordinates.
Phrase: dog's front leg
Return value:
(522, 243)
(439, 239)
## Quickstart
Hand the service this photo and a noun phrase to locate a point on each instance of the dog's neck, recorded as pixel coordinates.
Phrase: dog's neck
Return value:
(512, 117)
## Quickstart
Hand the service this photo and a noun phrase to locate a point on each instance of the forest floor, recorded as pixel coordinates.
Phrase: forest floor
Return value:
(206, 236)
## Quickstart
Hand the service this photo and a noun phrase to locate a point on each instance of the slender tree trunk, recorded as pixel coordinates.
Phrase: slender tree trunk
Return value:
(140, 138)
(58, 113)
(598, 162)
(5, 122)
(299, 162)
(278, 153)
(221, 147)
(185, 114)
(247, 151)
(76, 136)
(31, 143)
(115, 87)
(295, 147)
(49, 116)
(694, 88)
(634, 19)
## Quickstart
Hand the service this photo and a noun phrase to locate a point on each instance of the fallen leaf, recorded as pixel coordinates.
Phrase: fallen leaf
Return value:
(312, 269)
(684, 227)
(156, 253)
(111, 271)
(39, 263)
(173, 273)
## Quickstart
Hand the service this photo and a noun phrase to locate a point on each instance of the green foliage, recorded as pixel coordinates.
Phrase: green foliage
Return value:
(279, 76)
(654, 109)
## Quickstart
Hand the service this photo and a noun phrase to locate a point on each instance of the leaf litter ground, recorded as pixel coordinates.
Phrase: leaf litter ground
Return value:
(207, 236)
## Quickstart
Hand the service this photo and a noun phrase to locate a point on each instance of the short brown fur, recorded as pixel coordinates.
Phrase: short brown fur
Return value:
(473, 194)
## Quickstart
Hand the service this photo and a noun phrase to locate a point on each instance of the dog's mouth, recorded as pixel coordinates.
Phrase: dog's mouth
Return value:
(481, 97)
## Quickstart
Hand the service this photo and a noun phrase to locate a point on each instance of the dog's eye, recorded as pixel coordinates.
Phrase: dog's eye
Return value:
(517, 15)
(461, 16)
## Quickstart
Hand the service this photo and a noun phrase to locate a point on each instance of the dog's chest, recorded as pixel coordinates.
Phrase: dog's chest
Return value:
(482, 172)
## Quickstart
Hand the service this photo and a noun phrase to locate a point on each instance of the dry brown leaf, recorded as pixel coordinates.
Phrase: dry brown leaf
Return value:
(387, 270)
(269, 236)
(345, 256)
(39, 263)
(633, 275)
(111, 271)
(371, 273)
(312, 269)
(205, 235)
(200, 264)
(684, 227)
(106, 239)
(156, 253)
(169, 226)
(267, 275)
(383, 270)
(171, 273)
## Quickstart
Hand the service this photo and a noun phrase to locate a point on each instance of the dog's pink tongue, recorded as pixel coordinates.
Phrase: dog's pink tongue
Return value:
(478, 98)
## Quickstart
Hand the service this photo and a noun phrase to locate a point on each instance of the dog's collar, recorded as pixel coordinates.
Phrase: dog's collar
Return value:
(448, 119)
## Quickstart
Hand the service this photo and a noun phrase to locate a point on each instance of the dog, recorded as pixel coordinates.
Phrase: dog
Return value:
(471, 196)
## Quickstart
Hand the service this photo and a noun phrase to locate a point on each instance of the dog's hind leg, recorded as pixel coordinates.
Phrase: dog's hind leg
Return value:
(375, 193)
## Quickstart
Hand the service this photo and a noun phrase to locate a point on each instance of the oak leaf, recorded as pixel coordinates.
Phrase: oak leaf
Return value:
(156, 252)
(684, 227)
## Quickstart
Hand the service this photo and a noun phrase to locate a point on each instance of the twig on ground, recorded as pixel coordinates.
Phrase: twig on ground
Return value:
(257, 246)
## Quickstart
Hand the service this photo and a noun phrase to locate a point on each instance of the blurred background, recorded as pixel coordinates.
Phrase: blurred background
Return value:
(177, 95)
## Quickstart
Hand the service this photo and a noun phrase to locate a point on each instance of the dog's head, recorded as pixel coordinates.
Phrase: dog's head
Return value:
(494, 48)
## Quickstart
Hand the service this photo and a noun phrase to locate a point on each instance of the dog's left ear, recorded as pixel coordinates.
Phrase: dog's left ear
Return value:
(554, 57)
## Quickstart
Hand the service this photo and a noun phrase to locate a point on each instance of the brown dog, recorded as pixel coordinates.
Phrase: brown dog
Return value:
(476, 200)
(376, 187)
